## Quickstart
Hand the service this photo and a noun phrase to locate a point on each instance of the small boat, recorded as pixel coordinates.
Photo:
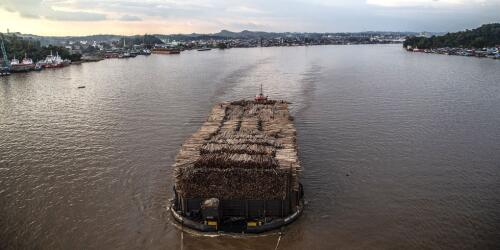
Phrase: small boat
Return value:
(134, 53)
(4, 71)
(124, 55)
(81, 87)
(145, 52)
(66, 62)
(38, 67)
(204, 49)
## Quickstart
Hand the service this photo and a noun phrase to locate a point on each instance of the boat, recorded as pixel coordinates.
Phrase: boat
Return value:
(165, 51)
(124, 55)
(134, 53)
(239, 173)
(66, 62)
(204, 49)
(91, 58)
(4, 71)
(52, 61)
(145, 52)
(24, 66)
(260, 96)
(38, 67)
(111, 54)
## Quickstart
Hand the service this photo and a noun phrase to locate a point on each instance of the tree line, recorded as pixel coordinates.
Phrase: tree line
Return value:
(487, 35)
(17, 47)
(147, 40)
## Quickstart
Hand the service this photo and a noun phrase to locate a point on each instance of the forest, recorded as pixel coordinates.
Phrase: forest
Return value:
(18, 47)
(487, 35)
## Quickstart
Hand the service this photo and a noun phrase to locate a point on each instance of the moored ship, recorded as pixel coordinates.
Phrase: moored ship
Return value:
(24, 66)
(91, 58)
(52, 61)
(165, 51)
(240, 171)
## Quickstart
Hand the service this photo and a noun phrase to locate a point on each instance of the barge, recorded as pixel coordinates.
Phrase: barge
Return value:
(239, 172)
(165, 51)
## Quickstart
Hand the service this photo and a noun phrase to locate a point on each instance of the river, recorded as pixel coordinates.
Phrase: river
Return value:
(399, 150)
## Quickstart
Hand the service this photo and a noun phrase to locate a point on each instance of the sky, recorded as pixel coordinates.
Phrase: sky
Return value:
(128, 17)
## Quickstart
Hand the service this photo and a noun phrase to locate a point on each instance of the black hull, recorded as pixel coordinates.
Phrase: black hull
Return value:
(266, 227)
(238, 218)
(22, 68)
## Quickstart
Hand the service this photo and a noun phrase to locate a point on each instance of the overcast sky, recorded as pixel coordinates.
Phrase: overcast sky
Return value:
(81, 17)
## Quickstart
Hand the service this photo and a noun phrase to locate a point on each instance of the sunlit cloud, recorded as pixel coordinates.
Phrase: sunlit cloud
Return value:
(208, 16)
(429, 3)
(42, 9)
(130, 18)
(245, 9)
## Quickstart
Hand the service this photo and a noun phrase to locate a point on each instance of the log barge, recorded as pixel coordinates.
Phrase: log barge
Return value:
(240, 171)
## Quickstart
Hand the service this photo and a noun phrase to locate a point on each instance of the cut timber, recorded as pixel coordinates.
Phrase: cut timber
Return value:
(245, 150)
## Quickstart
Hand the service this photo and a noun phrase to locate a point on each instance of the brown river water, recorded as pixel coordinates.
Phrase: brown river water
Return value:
(400, 150)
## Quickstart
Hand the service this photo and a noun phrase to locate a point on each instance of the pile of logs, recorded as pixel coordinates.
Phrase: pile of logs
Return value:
(245, 150)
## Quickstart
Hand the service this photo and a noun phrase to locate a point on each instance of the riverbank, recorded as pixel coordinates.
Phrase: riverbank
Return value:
(493, 53)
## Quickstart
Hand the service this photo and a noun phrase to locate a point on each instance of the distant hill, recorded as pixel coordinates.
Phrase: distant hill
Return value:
(246, 34)
(221, 35)
(487, 35)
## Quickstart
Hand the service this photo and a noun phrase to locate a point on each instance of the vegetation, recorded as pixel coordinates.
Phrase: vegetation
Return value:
(222, 45)
(487, 35)
(18, 47)
(148, 40)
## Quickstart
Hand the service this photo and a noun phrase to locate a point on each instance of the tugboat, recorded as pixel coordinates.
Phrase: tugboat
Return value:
(260, 97)
(24, 66)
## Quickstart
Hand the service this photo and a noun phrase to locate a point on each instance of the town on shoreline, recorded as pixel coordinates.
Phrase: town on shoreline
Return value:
(483, 41)
(25, 52)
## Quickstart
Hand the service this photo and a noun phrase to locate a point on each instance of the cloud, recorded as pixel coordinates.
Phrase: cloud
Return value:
(245, 9)
(40, 8)
(278, 15)
(130, 18)
(429, 3)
